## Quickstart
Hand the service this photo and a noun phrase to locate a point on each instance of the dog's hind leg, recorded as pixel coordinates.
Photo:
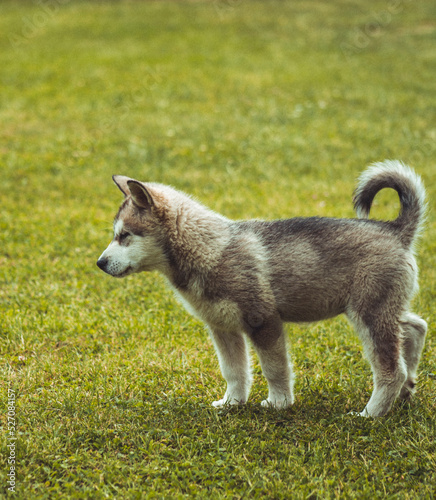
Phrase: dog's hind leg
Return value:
(383, 347)
(414, 330)
(234, 362)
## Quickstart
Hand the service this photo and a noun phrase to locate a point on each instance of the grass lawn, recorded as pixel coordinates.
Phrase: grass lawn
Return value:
(259, 109)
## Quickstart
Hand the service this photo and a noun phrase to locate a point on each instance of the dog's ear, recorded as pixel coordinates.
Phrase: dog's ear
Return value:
(141, 196)
(121, 182)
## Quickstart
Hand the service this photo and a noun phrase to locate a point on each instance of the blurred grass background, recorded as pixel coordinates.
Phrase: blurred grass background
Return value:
(260, 109)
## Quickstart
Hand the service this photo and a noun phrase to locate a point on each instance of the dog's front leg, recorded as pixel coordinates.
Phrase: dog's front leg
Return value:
(270, 344)
(234, 362)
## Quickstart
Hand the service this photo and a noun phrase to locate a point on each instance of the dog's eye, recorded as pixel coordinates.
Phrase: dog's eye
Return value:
(123, 236)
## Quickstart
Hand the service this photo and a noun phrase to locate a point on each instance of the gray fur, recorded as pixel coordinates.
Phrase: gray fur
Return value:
(245, 278)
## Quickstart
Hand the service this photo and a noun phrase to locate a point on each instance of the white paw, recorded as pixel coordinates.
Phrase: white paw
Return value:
(218, 404)
(363, 413)
(226, 401)
(277, 403)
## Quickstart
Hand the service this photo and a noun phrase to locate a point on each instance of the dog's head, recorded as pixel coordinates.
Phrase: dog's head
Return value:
(137, 244)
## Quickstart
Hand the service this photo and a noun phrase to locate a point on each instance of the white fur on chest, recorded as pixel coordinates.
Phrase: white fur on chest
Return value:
(222, 314)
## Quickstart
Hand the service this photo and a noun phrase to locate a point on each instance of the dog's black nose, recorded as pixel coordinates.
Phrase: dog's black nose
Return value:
(102, 263)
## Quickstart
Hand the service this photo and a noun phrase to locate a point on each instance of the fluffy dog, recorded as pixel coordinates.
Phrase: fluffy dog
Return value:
(245, 278)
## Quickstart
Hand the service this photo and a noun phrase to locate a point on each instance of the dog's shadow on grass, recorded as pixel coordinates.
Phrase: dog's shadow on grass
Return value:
(320, 413)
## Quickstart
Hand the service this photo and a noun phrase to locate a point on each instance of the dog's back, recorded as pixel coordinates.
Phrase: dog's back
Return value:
(315, 265)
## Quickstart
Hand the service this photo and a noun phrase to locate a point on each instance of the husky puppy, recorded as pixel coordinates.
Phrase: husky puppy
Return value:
(245, 278)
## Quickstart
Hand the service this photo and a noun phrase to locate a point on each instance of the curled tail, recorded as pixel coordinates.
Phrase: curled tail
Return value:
(394, 174)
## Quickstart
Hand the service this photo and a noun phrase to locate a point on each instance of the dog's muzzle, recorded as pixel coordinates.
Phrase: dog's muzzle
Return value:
(115, 269)
(102, 263)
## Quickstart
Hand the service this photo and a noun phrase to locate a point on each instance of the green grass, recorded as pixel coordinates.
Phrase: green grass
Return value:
(259, 109)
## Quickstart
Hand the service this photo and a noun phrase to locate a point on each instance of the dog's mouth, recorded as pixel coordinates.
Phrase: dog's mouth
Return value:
(109, 268)
(127, 271)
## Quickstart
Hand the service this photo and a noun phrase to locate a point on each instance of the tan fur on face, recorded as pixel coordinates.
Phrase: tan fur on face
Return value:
(245, 278)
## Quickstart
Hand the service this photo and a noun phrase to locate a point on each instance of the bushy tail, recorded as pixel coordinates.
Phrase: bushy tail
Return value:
(394, 174)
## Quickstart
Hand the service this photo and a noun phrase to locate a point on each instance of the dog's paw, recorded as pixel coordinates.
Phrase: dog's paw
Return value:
(363, 413)
(219, 403)
(407, 390)
(225, 401)
(276, 403)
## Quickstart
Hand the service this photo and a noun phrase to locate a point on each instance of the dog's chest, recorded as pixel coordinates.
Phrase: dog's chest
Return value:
(222, 314)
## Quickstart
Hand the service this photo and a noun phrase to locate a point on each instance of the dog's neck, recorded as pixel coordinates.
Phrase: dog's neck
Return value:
(196, 238)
